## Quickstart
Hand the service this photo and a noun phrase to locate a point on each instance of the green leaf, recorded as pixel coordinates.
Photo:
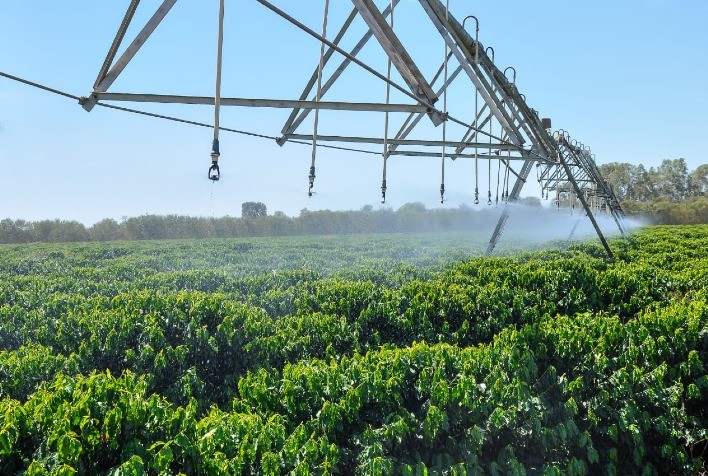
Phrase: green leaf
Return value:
(69, 447)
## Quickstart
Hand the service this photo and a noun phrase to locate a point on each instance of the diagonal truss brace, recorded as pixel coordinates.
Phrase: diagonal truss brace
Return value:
(397, 53)
(116, 42)
(290, 123)
(581, 197)
(106, 78)
(295, 119)
(442, 21)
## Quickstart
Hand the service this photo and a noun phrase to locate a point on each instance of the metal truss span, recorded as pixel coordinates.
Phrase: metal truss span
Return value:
(498, 127)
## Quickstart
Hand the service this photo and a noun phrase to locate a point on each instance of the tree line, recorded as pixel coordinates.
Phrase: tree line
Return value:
(411, 217)
(669, 194)
(671, 181)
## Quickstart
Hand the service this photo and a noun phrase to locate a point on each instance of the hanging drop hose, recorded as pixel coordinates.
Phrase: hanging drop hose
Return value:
(558, 187)
(476, 180)
(508, 174)
(311, 176)
(476, 107)
(505, 193)
(444, 111)
(214, 173)
(476, 159)
(498, 181)
(489, 181)
(544, 188)
(489, 169)
(388, 101)
(572, 203)
(442, 177)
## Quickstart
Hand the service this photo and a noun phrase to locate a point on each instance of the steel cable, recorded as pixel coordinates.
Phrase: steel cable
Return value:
(175, 119)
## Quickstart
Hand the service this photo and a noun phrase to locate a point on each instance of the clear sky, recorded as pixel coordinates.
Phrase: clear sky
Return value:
(626, 77)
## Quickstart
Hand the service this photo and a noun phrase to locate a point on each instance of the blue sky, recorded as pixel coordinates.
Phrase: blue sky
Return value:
(626, 77)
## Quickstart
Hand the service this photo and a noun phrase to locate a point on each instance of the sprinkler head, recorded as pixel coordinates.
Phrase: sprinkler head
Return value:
(214, 174)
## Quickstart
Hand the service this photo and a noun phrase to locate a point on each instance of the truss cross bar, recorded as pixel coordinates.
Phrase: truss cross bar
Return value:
(532, 123)
(440, 71)
(507, 162)
(548, 172)
(433, 112)
(520, 114)
(417, 153)
(436, 12)
(553, 178)
(259, 102)
(405, 142)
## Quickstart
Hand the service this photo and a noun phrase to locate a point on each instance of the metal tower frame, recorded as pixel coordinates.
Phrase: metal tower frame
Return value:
(565, 166)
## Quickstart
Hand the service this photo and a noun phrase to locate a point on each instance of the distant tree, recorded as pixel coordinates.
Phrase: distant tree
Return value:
(58, 231)
(42, 230)
(280, 224)
(628, 182)
(644, 188)
(70, 231)
(412, 217)
(619, 176)
(253, 210)
(105, 230)
(671, 179)
(17, 231)
(698, 181)
(412, 207)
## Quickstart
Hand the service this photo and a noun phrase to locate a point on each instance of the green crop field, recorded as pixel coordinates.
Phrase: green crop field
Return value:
(388, 354)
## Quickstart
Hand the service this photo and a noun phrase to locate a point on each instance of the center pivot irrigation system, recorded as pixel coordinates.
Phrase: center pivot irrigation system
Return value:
(498, 130)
